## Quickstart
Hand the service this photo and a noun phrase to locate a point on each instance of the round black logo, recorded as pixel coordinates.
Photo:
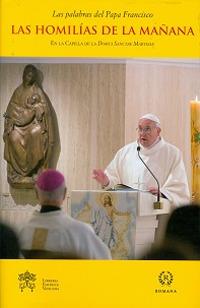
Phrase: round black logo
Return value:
(165, 278)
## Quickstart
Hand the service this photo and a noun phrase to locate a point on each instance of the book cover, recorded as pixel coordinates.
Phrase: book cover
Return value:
(102, 64)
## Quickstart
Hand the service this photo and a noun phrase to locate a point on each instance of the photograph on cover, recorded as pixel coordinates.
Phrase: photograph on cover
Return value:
(75, 116)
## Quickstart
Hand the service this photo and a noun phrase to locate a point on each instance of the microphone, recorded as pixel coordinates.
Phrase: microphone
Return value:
(158, 203)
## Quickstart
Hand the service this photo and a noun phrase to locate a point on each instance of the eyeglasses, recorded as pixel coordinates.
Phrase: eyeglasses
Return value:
(145, 130)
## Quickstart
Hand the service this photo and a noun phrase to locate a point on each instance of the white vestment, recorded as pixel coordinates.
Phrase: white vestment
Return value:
(63, 234)
(103, 226)
(164, 160)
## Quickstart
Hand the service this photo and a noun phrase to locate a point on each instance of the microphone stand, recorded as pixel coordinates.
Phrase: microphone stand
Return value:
(157, 204)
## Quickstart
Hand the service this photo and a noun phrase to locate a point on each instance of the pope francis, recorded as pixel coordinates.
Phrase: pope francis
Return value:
(163, 159)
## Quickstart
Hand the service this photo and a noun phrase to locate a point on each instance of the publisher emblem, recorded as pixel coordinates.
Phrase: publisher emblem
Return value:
(27, 280)
(165, 278)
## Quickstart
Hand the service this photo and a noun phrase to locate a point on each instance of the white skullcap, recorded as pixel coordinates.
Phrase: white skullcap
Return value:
(152, 117)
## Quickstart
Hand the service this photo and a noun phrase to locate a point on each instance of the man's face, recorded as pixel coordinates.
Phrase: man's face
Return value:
(106, 200)
(148, 132)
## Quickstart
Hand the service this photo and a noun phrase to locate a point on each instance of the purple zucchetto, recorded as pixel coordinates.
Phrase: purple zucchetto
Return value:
(50, 180)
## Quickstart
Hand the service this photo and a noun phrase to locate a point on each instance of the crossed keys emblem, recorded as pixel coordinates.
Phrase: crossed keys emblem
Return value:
(27, 280)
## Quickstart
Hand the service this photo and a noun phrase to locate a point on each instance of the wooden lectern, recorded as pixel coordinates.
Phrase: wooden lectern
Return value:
(126, 221)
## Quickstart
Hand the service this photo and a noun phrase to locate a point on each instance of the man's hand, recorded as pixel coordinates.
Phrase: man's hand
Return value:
(100, 177)
(153, 190)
